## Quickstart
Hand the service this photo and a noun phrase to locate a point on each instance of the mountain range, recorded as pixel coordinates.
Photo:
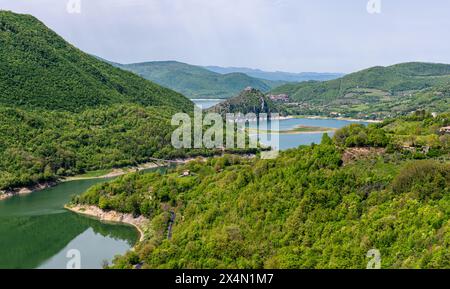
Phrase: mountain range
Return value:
(277, 75)
(195, 81)
(199, 82)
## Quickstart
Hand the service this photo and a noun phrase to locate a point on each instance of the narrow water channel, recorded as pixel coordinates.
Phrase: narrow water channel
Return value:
(37, 232)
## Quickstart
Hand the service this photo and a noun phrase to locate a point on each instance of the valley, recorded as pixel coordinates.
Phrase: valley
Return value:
(363, 162)
(197, 82)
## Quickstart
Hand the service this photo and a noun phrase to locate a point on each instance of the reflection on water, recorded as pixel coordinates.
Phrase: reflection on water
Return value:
(36, 231)
(96, 244)
(29, 241)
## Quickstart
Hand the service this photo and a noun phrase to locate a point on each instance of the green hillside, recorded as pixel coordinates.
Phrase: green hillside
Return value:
(38, 69)
(63, 112)
(38, 146)
(197, 82)
(320, 206)
(376, 92)
(249, 100)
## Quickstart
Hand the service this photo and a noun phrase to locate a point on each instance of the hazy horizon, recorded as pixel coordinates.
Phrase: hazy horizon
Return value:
(271, 35)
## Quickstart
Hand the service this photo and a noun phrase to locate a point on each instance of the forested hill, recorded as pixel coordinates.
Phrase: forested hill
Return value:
(195, 81)
(39, 69)
(250, 100)
(383, 91)
(383, 187)
(63, 112)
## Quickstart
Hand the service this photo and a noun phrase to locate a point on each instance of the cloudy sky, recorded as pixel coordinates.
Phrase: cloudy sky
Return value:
(286, 35)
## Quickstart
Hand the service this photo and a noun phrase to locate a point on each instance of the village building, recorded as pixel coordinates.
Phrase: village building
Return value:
(335, 114)
(279, 97)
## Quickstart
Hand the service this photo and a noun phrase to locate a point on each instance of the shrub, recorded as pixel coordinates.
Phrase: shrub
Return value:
(429, 179)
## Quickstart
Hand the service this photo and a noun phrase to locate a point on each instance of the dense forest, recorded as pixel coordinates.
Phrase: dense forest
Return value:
(40, 146)
(39, 69)
(384, 187)
(63, 112)
(375, 93)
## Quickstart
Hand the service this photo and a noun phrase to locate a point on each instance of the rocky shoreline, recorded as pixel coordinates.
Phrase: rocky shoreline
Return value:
(340, 118)
(6, 194)
(26, 190)
(117, 172)
(139, 223)
(42, 186)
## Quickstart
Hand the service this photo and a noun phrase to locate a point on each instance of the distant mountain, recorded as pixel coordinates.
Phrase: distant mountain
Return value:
(377, 91)
(277, 75)
(39, 69)
(195, 81)
(249, 100)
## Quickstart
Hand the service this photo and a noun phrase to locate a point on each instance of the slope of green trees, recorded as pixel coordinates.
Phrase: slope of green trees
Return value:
(63, 112)
(376, 92)
(38, 69)
(305, 209)
(44, 145)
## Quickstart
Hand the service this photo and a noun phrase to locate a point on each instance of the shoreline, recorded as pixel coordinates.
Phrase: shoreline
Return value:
(21, 191)
(339, 118)
(112, 217)
(308, 132)
(7, 194)
(295, 130)
(46, 185)
(116, 172)
(208, 99)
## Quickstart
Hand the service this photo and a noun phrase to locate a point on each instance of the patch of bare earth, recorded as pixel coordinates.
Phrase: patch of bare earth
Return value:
(354, 154)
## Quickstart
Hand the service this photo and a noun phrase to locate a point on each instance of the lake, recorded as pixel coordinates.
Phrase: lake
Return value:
(206, 103)
(288, 141)
(37, 232)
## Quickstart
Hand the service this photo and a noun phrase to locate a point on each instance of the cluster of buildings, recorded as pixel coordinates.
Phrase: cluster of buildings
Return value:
(279, 97)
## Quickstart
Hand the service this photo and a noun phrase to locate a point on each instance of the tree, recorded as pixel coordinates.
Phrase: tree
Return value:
(326, 140)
